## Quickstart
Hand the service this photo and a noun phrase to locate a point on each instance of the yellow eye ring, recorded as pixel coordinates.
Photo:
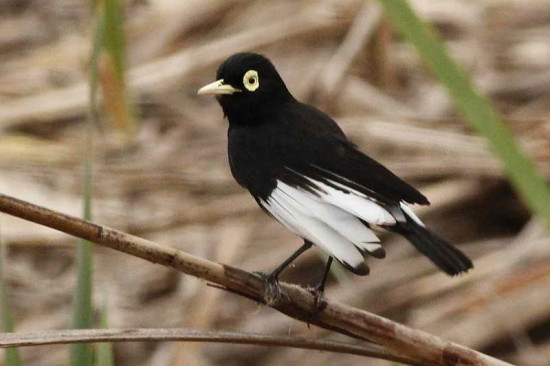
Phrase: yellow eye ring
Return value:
(251, 80)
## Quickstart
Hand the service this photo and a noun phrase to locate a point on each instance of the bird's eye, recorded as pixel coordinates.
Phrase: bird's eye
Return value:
(251, 80)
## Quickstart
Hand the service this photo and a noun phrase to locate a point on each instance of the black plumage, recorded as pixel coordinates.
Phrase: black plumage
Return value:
(301, 169)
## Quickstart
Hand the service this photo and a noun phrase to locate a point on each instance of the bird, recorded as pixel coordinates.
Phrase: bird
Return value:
(304, 172)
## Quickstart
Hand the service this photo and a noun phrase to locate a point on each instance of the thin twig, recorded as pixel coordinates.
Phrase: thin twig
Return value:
(191, 335)
(297, 302)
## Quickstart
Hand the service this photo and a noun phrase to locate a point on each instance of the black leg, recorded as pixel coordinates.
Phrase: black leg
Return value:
(319, 290)
(272, 290)
(321, 286)
(277, 271)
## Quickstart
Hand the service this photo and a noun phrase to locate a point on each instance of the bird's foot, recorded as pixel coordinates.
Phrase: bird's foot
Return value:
(319, 303)
(273, 294)
(262, 274)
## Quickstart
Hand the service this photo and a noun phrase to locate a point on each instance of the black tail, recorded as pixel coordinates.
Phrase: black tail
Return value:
(449, 259)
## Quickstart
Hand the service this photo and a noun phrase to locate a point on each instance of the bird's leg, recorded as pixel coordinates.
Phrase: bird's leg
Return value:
(319, 290)
(272, 288)
(275, 274)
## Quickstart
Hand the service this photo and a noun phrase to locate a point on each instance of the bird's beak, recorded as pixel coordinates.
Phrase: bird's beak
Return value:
(217, 88)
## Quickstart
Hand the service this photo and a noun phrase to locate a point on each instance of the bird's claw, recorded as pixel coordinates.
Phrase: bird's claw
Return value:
(273, 294)
(319, 304)
(261, 274)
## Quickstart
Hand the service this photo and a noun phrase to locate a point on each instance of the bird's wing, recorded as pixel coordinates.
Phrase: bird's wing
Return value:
(331, 221)
(335, 218)
(347, 168)
(322, 152)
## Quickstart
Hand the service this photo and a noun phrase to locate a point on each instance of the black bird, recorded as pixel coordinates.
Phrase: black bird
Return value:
(304, 172)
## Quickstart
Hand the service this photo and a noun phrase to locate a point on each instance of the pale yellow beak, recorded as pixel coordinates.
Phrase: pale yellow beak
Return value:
(217, 88)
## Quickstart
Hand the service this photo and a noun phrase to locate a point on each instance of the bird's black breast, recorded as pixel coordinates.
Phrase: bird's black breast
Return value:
(253, 159)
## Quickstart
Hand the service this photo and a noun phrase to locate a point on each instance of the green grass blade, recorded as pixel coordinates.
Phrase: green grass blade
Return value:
(114, 42)
(81, 354)
(93, 76)
(12, 356)
(105, 352)
(474, 107)
(113, 76)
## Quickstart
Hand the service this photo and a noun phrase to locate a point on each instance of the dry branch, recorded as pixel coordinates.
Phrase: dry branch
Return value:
(298, 302)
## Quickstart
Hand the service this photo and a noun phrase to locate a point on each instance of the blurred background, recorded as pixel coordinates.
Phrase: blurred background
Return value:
(166, 176)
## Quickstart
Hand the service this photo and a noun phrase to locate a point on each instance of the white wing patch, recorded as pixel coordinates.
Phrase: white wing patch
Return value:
(331, 219)
(355, 203)
(311, 228)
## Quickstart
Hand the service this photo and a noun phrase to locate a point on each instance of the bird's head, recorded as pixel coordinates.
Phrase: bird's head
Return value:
(247, 86)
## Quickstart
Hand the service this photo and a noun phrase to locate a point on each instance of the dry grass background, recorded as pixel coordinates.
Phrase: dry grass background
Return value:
(173, 184)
